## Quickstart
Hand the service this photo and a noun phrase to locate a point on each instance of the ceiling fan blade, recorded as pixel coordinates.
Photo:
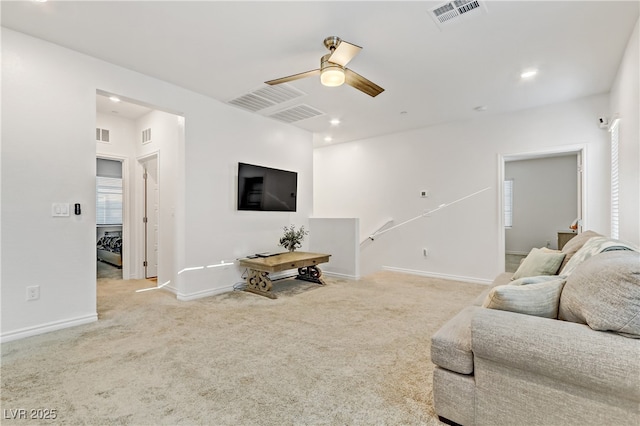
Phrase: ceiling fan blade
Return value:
(293, 77)
(357, 81)
(344, 53)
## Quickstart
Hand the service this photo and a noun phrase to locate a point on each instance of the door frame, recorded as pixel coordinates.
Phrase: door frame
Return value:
(126, 212)
(579, 150)
(140, 206)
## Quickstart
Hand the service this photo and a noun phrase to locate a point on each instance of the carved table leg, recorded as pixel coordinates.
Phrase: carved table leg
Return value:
(258, 282)
(310, 273)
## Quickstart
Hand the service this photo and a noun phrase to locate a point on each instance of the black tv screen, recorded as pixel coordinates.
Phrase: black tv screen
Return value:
(266, 189)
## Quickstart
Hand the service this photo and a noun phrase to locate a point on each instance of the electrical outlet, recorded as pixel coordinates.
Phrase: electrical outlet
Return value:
(33, 292)
(425, 252)
(424, 193)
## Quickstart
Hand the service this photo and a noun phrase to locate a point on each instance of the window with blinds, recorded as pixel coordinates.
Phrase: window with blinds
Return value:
(615, 212)
(108, 201)
(508, 203)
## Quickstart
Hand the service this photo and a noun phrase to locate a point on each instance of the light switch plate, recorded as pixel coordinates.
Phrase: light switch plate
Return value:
(60, 209)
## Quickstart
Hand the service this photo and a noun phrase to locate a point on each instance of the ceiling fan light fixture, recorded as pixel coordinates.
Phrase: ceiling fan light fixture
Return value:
(332, 76)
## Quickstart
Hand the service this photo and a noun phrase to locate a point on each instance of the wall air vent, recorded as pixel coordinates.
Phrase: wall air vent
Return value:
(296, 113)
(266, 97)
(146, 135)
(102, 135)
(452, 11)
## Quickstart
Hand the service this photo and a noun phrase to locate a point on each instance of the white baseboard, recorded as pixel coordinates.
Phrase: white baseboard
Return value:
(204, 293)
(343, 276)
(46, 328)
(519, 253)
(438, 275)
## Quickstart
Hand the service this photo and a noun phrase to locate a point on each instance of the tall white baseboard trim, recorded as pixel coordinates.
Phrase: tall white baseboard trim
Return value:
(338, 275)
(185, 297)
(46, 328)
(438, 275)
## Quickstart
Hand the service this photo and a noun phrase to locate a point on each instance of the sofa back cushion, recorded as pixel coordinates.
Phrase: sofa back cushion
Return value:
(604, 293)
(574, 244)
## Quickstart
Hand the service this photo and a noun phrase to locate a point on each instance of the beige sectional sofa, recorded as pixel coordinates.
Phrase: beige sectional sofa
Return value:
(551, 350)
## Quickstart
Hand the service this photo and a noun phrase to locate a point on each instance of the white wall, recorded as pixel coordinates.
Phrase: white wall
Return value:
(545, 201)
(625, 103)
(122, 133)
(341, 239)
(48, 155)
(166, 143)
(379, 178)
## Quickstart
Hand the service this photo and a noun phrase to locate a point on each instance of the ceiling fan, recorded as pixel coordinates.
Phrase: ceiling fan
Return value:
(332, 68)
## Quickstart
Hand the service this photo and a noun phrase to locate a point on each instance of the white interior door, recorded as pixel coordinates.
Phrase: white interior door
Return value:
(151, 216)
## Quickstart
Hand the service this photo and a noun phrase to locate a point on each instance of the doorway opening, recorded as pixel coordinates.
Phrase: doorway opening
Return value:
(149, 142)
(541, 200)
(109, 218)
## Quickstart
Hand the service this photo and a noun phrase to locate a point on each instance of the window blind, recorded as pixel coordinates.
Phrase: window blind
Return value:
(108, 201)
(508, 203)
(615, 212)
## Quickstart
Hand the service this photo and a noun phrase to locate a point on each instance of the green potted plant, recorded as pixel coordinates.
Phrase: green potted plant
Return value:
(292, 238)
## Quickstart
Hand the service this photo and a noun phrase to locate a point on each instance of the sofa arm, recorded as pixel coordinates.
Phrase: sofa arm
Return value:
(564, 351)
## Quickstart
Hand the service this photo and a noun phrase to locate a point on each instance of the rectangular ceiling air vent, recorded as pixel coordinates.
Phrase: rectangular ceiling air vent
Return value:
(266, 97)
(296, 113)
(251, 102)
(450, 11)
(279, 94)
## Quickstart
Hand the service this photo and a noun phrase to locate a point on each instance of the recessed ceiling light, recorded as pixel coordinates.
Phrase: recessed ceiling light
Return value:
(40, 1)
(328, 139)
(334, 122)
(114, 99)
(528, 74)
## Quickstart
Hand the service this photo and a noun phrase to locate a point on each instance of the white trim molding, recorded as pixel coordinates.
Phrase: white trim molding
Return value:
(439, 275)
(46, 328)
(183, 297)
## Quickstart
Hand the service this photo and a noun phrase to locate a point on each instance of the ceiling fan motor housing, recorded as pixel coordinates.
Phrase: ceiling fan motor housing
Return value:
(332, 42)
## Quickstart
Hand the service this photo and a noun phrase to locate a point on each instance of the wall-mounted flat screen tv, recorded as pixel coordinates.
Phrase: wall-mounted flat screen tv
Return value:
(266, 189)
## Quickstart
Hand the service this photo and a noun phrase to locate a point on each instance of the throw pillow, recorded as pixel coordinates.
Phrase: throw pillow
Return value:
(574, 244)
(539, 299)
(539, 262)
(604, 293)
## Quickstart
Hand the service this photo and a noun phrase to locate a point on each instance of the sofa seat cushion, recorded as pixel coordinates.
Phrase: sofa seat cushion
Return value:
(604, 293)
(451, 345)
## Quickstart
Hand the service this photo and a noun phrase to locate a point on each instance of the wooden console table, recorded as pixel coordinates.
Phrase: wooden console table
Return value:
(259, 282)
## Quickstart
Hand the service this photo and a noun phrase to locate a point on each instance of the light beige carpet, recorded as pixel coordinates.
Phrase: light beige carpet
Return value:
(348, 353)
